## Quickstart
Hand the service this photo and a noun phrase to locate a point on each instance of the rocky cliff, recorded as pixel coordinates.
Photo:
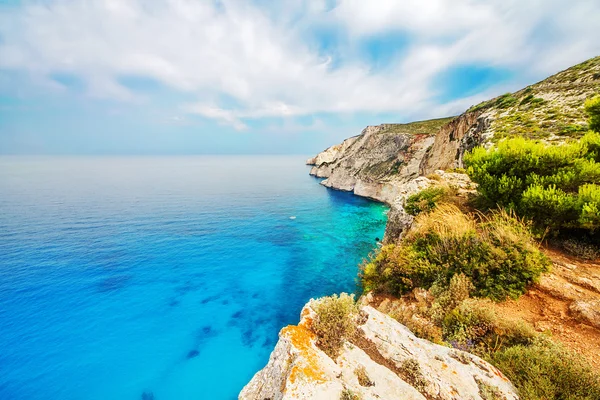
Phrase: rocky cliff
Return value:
(390, 162)
(383, 361)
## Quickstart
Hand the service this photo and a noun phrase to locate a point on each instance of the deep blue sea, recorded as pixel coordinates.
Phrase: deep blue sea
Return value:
(164, 278)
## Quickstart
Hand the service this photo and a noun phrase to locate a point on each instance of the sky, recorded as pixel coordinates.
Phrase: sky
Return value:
(262, 76)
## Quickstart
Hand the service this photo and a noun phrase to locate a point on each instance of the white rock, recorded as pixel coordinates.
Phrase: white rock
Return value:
(298, 370)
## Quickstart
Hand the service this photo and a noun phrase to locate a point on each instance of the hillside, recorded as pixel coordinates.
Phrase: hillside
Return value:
(383, 157)
(472, 278)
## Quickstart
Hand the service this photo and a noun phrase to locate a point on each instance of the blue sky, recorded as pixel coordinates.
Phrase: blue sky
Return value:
(232, 76)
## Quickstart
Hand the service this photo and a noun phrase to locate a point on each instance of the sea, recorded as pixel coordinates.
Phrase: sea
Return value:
(163, 278)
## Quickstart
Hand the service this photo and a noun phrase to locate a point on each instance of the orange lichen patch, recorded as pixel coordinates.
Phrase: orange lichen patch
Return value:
(499, 374)
(444, 366)
(307, 364)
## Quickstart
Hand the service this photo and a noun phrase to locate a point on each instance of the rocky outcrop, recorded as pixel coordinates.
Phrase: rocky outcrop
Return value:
(587, 311)
(454, 139)
(376, 164)
(383, 361)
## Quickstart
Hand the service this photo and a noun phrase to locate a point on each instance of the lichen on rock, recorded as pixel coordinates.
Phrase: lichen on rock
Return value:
(399, 366)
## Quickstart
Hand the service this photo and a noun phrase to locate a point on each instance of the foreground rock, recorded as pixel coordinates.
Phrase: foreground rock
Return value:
(396, 364)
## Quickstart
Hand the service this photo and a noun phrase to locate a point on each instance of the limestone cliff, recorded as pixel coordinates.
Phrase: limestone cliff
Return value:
(390, 162)
(384, 361)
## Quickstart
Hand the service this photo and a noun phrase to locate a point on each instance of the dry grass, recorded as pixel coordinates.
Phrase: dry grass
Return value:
(445, 221)
(335, 322)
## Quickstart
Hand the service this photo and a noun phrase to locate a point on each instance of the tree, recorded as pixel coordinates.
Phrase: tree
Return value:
(592, 107)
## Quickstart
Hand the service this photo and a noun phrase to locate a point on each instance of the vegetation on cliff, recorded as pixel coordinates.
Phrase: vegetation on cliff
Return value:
(550, 109)
(496, 251)
(463, 257)
(426, 127)
(555, 186)
(334, 322)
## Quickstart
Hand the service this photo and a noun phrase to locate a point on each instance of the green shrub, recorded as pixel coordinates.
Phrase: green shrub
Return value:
(506, 100)
(335, 321)
(425, 200)
(474, 325)
(450, 297)
(592, 107)
(497, 253)
(363, 377)
(546, 371)
(556, 186)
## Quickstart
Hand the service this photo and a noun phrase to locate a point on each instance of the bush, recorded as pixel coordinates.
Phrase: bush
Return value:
(497, 253)
(506, 100)
(546, 371)
(475, 326)
(450, 297)
(335, 322)
(425, 200)
(556, 186)
(592, 107)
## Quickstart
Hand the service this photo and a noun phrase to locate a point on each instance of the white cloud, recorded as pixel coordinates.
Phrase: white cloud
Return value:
(239, 61)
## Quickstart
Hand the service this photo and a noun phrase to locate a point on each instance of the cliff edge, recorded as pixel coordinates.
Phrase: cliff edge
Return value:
(382, 360)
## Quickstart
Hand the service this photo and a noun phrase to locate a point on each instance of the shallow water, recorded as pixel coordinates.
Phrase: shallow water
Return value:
(164, 276)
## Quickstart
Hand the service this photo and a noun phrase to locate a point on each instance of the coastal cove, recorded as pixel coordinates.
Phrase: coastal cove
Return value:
(163, 277)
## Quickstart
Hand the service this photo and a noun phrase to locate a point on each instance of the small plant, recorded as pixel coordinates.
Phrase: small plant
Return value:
(363, 378)
(425, 200)
(335, 322)
(489, 392)
(447, 298)
(547, 371)
(348, 394)
(413, 374)
(592, 107)
(475, 326)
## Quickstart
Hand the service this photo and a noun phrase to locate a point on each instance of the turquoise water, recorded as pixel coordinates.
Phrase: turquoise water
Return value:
(163, 278)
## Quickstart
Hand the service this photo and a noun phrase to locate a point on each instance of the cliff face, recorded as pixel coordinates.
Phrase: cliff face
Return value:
(395, 364)
(454, 139)
(390, 162)
(379, 162)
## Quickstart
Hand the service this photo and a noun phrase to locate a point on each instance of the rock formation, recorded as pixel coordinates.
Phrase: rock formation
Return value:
(383, 361)
(390, 162)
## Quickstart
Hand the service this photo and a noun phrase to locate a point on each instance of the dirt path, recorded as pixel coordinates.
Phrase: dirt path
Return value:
(549, 305)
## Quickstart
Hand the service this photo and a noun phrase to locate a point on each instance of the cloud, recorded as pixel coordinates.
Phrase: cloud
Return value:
(236, 61)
